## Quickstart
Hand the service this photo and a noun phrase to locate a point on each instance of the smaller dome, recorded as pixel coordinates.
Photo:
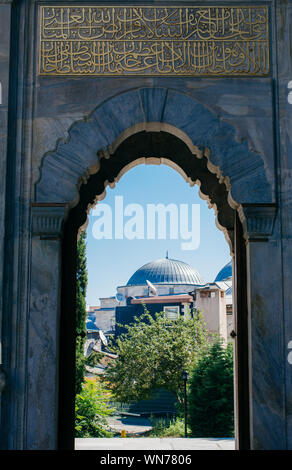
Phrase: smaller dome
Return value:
(224, 273)
(91, 326)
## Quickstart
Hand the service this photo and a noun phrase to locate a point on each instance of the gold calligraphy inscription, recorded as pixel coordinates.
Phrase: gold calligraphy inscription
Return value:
(135, 40)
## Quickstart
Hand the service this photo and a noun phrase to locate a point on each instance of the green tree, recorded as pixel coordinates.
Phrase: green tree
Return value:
(81, 286)
(92, 409)
(152, 354)
(210, 398)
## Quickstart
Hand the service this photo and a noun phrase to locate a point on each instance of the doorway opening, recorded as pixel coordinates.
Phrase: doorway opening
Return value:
(165, 148)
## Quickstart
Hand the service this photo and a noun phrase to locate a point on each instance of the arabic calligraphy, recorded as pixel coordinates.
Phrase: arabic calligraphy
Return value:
(192, 41)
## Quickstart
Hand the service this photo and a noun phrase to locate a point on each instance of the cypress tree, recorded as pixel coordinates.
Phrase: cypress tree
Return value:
(81, 286)
(211, 399)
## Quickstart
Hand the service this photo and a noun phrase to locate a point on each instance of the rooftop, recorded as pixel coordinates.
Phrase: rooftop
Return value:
(165, 299)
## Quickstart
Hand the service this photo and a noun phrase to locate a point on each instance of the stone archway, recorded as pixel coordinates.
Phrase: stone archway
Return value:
(242, 170)
(234, 178)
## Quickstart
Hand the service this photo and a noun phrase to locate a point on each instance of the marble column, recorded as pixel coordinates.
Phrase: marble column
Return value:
(43, 327)
(5, 19)
(266, 329)
(284, 126)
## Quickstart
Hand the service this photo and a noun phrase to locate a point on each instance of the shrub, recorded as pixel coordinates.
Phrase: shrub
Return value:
(91, 410)
(163, 427)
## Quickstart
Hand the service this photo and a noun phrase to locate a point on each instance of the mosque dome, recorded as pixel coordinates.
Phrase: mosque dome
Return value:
(165, 271)
(224, 273)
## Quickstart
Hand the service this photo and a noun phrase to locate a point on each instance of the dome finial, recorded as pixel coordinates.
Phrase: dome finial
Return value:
(166, 254)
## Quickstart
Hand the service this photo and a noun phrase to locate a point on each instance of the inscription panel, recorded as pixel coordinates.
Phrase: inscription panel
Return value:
(134, 40)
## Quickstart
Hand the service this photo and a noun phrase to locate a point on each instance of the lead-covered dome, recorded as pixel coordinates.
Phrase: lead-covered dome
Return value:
(224, 273)
(165, 271)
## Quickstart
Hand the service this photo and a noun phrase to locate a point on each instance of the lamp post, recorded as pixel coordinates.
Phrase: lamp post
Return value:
(184, 377)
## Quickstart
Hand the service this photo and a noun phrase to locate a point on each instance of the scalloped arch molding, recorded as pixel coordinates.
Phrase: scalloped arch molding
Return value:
(241, 169)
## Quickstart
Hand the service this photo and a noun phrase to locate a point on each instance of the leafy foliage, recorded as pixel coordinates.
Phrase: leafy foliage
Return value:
(91, 410)
(153, 352)
(162, 427)
(81, 286)
(94, 357)
(211, 393)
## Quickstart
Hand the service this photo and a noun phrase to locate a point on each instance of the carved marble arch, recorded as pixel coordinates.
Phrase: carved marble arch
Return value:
(209, 140)
(155, 146)
(147, 125)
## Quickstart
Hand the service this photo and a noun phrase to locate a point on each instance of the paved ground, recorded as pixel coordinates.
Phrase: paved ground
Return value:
(138, 425)
(145, 443)
(131, 424)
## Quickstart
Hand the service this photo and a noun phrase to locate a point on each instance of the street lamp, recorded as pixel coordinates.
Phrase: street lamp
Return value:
(184, 377)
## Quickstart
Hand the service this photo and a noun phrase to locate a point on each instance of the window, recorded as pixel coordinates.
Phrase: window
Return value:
(171, 312)
(204, 293)
(229, 309)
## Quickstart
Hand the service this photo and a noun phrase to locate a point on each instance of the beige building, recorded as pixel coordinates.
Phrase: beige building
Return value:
(211, 300)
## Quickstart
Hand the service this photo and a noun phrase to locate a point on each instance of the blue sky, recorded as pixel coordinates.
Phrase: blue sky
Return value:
(111, 262)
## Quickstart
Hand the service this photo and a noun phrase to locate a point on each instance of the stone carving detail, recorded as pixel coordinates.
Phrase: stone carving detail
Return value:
(151, 40)
(39, 302)
(47, 221)
(40, 313)
(258, 221)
